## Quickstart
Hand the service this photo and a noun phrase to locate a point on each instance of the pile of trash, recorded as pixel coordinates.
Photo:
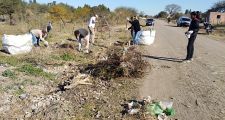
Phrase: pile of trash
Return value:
(147, 107)
(118, 62)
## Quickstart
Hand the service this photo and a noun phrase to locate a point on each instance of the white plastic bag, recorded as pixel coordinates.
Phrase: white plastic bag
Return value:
(17, 44)
(145, 37)
(188, 34)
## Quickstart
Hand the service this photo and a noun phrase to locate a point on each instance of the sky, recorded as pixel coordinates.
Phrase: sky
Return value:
(150, 7)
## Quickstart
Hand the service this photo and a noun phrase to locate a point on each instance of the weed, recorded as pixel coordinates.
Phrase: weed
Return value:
(8, 73)
(67, 57)
(35, 71)
(19, 92)
(9, 60)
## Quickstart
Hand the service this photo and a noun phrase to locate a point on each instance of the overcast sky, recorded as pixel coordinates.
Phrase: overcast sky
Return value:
(150, 7)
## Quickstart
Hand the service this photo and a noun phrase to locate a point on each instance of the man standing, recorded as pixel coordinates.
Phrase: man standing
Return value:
(136, 27)
(91, 27)
(193, 31)
(82, 35)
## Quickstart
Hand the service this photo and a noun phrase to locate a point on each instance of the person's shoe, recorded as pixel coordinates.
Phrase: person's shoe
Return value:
(86, 51)
(187, 61)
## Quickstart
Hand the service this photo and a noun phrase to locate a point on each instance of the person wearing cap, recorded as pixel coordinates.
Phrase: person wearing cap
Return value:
(91, 27)
(39, 35)
(193, 30)
(82, 35)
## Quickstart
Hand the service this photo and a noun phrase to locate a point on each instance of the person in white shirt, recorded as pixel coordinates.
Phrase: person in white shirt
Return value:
(39, 35)
(91, 27)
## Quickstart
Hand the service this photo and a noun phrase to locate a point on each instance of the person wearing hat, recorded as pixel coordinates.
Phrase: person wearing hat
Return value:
(193, 31)
(91, 27)
(82, 35)
(39, 35)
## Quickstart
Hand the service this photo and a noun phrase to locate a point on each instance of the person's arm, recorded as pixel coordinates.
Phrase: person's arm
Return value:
(130, 28)
(76, 36)
(130, 21)
(41, 36)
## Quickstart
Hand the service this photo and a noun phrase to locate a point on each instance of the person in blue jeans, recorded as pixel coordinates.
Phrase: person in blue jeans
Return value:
(39, 35)
(136, 28)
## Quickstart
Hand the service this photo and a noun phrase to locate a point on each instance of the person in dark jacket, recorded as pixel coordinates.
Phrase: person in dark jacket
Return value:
(49, 27)
(193, 29)
(131, 27)
(82, 35)
(136, 27)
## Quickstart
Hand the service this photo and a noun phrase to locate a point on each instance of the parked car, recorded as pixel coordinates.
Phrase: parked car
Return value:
(183, 21)
(150, 22)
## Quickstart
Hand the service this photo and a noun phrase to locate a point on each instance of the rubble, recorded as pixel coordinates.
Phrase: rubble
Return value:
(162, 110)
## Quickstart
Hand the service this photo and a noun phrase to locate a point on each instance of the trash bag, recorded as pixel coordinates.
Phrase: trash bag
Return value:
(145, 37)
(17, 44)
(169, 112)
(159, 108)
(154, 109)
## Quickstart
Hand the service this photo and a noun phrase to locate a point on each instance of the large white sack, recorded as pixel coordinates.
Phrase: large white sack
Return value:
(17, 44)
(17, 50)
(17, 40)
(146, 37)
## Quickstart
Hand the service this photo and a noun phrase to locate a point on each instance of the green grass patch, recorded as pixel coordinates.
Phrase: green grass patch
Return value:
(19, 92)
(35, 71)
(67, 57)
(11, 60)
(8, 73)
(80, 57)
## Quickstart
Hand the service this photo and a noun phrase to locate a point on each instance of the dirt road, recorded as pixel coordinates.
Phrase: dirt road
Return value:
(196, 88)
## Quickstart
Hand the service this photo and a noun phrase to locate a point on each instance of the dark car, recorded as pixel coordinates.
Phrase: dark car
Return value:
(150, 22)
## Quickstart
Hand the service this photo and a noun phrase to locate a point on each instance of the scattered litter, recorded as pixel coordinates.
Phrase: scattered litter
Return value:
(71, 82)
(154, 109)
(166, 104)
(161, 109)
(134, 106)
(162, 117)
(23, 96)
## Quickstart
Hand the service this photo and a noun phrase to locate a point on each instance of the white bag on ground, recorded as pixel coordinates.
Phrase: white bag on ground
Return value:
(17, 44)
(146, 37)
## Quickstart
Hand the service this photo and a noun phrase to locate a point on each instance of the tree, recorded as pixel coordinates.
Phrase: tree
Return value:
(186, 12)
(172, 9)
(9, 7)
(218, 7)
(122, 13)
(82, 12)
(142, 14)
(101, 10)
(162, 14)
(59, 13)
